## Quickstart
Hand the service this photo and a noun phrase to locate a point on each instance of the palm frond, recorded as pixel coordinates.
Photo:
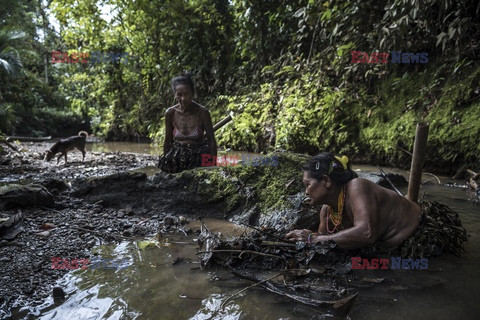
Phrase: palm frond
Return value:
(10, 62)
(7, 36)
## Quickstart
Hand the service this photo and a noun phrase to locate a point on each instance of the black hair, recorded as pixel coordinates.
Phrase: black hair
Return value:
(326, 163)
(186, 79)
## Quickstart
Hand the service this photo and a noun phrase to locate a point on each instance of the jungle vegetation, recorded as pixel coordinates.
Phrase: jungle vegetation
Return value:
(283, 67)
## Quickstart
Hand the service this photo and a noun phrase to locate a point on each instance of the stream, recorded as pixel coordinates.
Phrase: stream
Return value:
(165, 280)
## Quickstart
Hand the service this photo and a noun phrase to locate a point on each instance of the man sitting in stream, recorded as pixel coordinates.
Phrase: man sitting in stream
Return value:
(358, 213)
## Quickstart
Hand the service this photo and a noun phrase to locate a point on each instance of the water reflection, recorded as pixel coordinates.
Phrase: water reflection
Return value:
(120, 146)
(165, 282)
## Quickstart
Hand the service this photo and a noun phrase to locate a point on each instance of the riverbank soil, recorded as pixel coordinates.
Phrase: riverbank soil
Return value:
(51, 210)
(50, 222)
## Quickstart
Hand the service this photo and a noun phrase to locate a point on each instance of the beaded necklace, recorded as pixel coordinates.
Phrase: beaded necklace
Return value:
(337, 217)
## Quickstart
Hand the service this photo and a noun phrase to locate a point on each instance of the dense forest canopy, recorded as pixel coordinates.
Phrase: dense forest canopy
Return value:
(295, 73)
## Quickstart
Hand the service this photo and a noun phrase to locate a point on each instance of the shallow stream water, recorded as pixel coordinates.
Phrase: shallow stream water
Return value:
(165, 281)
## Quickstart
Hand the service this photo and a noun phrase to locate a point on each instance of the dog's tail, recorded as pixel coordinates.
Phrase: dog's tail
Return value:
(83, 133)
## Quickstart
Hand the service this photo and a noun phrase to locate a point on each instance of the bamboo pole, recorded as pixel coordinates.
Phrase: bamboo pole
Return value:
(418, 159)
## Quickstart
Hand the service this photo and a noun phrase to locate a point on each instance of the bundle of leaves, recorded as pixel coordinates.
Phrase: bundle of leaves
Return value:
(440, 230)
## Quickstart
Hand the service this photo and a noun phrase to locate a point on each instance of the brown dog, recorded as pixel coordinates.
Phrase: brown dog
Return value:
(67, 144)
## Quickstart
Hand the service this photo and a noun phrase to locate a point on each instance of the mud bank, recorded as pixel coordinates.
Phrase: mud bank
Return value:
(54, 223)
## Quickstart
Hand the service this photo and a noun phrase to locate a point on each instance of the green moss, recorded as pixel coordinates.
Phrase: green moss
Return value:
(216, 185)
(451, 108)
(276, 183)
(244, 186)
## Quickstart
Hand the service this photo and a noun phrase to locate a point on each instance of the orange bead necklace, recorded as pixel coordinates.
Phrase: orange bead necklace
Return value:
(337, 217)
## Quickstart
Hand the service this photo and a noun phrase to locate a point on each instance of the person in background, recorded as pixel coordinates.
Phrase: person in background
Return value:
(188, 130)
(356, 212)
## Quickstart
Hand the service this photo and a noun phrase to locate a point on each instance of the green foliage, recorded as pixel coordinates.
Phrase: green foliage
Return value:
(312, 117)
(283, 68)
(307, 115)
(303, 115)
(250, 124)
(24, 96)
(446, 25)
(277, 182)
(130, 99)
(450, 107)
(7, 118)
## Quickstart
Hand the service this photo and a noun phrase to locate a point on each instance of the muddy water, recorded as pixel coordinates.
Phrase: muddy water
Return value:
(165, 281)
(450, 286)
(124, 147)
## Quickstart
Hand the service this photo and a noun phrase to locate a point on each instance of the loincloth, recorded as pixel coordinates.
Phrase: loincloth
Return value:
(182, 157)
(439, 230)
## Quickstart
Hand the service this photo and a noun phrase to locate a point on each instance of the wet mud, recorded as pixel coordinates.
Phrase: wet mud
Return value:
(64, 210)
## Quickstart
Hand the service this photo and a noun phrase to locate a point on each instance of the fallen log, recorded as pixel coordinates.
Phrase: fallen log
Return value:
(223, 122)
(28, 139)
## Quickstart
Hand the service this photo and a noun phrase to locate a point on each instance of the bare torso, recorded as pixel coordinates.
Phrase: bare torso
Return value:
(372, 214)
(192, 126)
(188, 127)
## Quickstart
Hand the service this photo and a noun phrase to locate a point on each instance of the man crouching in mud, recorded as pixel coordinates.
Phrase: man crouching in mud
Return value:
(356, 212)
